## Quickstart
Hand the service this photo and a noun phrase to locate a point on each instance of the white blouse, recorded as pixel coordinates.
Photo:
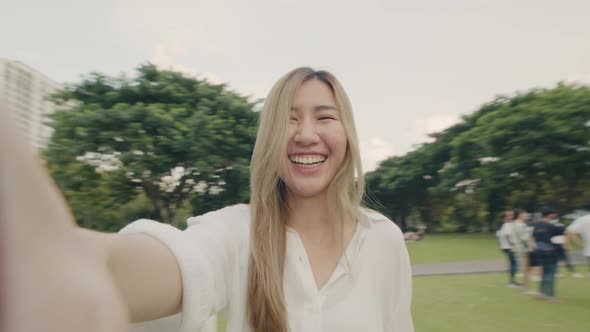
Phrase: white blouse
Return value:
(370, 289)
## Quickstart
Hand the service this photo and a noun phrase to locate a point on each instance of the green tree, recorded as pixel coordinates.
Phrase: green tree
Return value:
(161, 134)
(529, 149)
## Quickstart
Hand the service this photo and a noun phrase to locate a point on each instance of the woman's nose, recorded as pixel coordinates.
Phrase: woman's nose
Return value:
(306, 133)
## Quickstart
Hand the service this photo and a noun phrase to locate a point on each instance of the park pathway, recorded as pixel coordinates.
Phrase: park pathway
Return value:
(485, 266)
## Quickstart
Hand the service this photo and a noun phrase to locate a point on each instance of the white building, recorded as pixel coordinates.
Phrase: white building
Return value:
(24, 91)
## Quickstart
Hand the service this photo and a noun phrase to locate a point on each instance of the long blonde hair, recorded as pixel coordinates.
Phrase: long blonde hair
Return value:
(265, 304)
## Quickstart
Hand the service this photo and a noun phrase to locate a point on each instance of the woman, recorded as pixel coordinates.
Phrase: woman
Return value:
(303, 256)
(522, 238)
(507, 244)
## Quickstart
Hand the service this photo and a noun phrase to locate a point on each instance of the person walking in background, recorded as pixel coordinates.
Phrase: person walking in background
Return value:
(534, 273)
(506, 239)
(579, 232)
(546, 252)
(562, 247)
(522, 239)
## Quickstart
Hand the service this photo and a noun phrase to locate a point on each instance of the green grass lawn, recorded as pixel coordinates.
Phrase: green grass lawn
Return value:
(483, 303)
(454, 248)
(220, 322)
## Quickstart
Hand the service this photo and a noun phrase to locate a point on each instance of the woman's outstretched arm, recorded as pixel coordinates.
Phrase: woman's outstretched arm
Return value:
(58, 277)
(146, 274)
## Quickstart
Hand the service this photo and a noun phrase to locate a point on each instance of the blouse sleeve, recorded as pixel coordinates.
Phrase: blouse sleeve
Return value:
(207, 253)
(400, 285)
(403, 321)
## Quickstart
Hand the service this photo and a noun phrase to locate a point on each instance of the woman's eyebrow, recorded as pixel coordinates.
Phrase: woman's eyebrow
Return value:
(318, 108)
(325, 108)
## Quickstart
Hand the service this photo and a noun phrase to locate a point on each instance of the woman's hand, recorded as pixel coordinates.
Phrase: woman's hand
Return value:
(51, 279)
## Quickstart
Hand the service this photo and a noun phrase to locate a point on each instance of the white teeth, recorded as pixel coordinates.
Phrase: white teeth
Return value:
(308, 166)
(308, 160)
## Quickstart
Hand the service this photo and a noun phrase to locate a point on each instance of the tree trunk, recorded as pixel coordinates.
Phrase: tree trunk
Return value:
(154, 197)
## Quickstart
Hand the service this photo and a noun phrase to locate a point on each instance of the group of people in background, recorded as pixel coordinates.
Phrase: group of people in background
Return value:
(535, 247)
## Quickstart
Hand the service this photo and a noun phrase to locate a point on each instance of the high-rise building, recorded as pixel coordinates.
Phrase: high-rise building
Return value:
(25, 93)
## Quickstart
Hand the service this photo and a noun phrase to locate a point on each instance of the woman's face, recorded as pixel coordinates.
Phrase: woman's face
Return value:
(316, 141)
(508, 215)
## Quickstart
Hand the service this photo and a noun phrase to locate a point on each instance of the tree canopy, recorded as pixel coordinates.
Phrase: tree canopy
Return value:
(522, 151)
(164, 145)
(150, 145)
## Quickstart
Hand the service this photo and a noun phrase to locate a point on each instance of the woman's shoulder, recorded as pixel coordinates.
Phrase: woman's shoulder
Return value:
(381, 227)
(233, 214)
(231, 223)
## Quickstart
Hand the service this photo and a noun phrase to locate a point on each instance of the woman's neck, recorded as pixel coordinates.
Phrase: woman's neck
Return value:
(309, 215)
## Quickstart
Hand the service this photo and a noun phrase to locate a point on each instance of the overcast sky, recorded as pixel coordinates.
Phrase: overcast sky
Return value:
(410, 67)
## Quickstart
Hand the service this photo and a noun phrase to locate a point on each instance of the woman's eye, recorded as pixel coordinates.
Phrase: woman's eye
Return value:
(326, 117)
(292, 118)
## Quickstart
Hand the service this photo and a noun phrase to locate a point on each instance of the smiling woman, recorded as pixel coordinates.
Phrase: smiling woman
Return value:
(304, 255)
(317, 140)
